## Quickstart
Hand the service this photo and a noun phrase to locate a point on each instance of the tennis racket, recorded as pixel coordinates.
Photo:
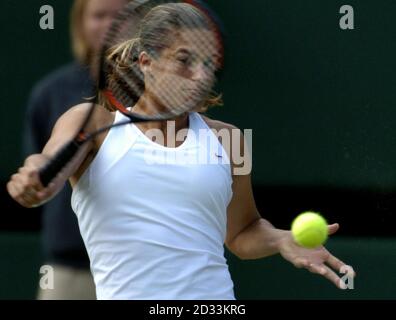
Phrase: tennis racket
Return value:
(141, 31)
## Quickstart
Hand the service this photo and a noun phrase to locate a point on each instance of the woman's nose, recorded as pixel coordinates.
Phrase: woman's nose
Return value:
(202, 72)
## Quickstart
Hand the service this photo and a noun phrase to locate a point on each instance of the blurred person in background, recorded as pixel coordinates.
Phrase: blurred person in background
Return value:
(62, 245)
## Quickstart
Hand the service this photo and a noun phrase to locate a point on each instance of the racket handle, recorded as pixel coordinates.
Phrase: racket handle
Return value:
(58, 162)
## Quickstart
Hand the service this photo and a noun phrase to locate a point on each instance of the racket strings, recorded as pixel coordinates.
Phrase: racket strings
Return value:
(126, 81)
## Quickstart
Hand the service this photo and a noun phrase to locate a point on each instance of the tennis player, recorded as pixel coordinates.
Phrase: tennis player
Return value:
(152, 229)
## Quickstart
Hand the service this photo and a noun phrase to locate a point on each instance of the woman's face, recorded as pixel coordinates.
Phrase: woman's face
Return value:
(184, 74)
(97, 18)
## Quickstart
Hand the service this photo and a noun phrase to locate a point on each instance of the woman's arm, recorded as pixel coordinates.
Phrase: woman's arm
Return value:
(25, 186)
(249, 236)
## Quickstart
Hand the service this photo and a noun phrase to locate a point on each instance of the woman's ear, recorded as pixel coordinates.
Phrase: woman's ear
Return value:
(144, 61)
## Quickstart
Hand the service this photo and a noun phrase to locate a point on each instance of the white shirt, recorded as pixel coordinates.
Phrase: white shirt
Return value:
(154, 226)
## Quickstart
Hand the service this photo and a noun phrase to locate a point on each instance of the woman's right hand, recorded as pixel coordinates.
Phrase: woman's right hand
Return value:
(25, 186)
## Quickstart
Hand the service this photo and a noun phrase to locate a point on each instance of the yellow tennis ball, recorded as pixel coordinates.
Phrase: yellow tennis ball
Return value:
(309, 229)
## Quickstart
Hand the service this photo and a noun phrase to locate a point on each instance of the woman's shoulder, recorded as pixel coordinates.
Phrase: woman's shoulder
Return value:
(98, 112)
(234, 140)
(217, 124)
(99, 116)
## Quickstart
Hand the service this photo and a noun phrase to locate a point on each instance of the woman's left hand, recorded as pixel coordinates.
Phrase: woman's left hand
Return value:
(318, 260)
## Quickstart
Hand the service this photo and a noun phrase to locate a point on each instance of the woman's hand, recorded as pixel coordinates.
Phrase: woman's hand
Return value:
(318, 260)
(25, 186)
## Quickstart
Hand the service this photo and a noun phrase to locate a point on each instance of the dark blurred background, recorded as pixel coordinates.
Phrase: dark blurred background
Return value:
(322, 105)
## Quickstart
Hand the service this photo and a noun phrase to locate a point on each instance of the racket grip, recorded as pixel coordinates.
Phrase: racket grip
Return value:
(58, 162)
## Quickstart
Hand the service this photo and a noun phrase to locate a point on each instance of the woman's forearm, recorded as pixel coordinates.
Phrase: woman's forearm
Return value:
(258, 240)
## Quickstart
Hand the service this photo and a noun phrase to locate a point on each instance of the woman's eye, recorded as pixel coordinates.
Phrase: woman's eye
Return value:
(183, 60)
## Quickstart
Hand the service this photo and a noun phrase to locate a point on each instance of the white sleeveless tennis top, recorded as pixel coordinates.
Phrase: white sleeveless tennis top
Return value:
(153, 220)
